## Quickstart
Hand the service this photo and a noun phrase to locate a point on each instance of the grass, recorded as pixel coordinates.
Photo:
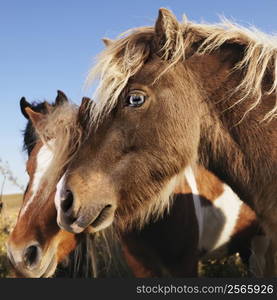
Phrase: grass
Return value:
(4, 264)
(11, 204)
(230, 266)
(227, 267)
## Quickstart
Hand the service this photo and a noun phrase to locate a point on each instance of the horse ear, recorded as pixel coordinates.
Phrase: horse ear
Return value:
(36, 118)
(23, 105)
(61, 98)
(107, 42)
(166, 28)
(84, 111)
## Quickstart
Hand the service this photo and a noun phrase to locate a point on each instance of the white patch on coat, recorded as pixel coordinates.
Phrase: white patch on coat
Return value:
(190, 177)
(43, 161)
(220, 219)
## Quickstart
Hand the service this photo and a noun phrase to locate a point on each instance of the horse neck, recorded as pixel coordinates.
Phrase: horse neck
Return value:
(220, 155)
(235, 152)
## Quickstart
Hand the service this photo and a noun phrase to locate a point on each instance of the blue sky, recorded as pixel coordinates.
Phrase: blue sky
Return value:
(50, 45)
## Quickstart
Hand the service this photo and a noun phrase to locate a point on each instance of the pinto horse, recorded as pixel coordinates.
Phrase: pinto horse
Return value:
(154, 250)
(29, 233)
(169, 97)
(37, 245)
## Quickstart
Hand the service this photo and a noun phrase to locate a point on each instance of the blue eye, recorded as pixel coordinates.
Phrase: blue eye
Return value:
(135, 100)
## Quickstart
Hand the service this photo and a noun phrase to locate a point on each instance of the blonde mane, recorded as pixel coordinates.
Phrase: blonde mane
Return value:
(125, 56)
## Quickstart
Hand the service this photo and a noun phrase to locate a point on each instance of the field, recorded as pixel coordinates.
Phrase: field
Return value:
(11, 204)
(227, 267)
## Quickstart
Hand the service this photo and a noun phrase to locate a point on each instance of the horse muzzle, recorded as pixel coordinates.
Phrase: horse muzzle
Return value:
(29, 261)
(75, 220)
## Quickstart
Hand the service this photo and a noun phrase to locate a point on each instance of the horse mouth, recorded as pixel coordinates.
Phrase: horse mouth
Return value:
(99, 221)
(103, 215)
(93, 218)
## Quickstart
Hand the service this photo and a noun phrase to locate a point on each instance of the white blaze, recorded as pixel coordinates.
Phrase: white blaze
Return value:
(220, 219)
(43, 161)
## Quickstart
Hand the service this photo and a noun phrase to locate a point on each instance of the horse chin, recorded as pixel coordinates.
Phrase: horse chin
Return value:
(106, 223)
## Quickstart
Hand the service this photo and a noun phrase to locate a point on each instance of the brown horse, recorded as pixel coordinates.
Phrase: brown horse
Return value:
(32, 252)
(158, 249)
(36, 244)
(169, 97)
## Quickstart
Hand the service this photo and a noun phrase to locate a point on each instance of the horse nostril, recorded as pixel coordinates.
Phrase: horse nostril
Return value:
(66, 204)
(31, 256)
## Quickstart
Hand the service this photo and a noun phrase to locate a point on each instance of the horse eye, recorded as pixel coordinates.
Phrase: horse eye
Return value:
(135, 100)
